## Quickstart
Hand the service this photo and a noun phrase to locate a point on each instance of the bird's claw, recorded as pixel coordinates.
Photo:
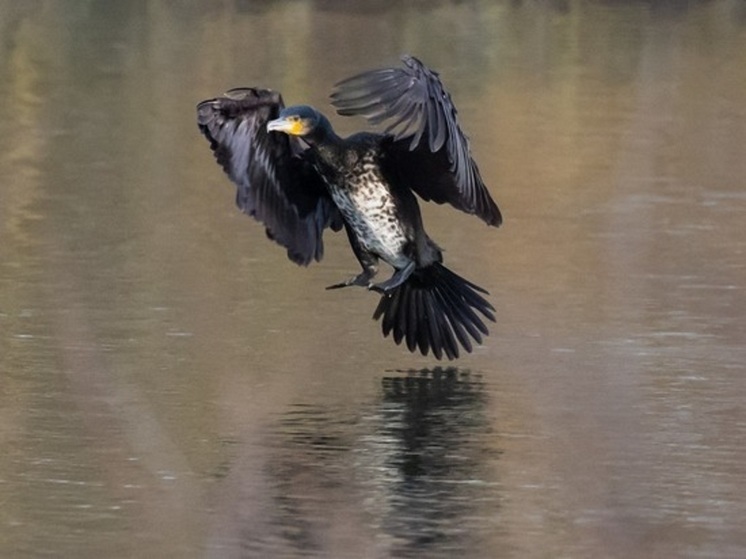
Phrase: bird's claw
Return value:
(378, 288)
(363, 280)
(399, 277)
(385, 286)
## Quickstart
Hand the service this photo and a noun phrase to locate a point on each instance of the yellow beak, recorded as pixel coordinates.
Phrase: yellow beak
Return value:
(292, 127)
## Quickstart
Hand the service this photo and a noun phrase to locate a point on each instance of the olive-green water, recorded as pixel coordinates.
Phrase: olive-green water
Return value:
(172, 386)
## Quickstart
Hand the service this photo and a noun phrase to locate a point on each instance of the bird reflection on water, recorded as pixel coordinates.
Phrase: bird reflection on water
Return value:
(429, 411)
(404, 472)
(433, 437)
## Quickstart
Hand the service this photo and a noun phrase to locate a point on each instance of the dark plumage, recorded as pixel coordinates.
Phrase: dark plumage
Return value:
(295, 175)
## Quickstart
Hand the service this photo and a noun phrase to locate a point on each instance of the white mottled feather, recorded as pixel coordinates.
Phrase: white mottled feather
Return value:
(368, 207)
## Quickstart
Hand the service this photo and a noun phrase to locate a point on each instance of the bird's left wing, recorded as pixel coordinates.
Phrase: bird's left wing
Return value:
(428, 151)
(276, 185)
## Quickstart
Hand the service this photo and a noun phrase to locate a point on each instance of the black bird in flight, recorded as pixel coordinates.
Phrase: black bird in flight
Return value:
(297, 177)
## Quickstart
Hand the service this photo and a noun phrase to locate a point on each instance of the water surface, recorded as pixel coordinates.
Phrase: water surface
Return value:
(172, 386)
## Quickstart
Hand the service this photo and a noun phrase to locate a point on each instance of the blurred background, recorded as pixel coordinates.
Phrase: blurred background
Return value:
(172, 386)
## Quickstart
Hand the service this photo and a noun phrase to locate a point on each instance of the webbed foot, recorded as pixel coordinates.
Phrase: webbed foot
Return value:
(363, 280)
(399, 277)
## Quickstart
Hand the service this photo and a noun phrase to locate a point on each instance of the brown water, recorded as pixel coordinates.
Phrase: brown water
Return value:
(172, 386)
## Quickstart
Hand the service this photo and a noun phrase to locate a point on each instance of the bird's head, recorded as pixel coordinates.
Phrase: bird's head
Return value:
(300, 120)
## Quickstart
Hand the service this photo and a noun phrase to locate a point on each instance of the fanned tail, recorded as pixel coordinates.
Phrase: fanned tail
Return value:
(435, 310)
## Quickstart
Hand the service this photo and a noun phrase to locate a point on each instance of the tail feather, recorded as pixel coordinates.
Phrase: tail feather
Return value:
(423, 334)
(466, 315)
(387, 324)
(474, 299)
(456, 320)
(432, 334)
(435, 310)
(413, 314)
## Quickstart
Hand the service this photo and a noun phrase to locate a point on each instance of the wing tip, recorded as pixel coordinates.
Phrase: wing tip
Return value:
(253, 96)
(411, 61)
(494, 217)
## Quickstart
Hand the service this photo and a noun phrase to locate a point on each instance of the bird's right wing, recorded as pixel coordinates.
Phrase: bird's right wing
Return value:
(429, 153)
(276, 184)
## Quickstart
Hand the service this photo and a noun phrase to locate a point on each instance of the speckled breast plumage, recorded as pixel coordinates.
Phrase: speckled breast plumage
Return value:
(365, 200)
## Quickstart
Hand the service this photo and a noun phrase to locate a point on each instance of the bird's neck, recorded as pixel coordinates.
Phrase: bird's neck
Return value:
(328, 146)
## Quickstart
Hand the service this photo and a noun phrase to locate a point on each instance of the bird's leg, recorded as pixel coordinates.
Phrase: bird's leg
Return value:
(368, 261)
(362, 279)
(399, 277)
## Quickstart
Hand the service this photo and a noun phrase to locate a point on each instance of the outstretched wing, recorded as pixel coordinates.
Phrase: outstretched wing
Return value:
(428, 152)
(276, 184)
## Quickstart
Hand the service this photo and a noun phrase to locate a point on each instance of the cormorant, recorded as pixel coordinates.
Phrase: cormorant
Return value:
(297, 177)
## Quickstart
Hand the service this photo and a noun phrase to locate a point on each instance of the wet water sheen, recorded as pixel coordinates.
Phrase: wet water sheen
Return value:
(172, 386)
